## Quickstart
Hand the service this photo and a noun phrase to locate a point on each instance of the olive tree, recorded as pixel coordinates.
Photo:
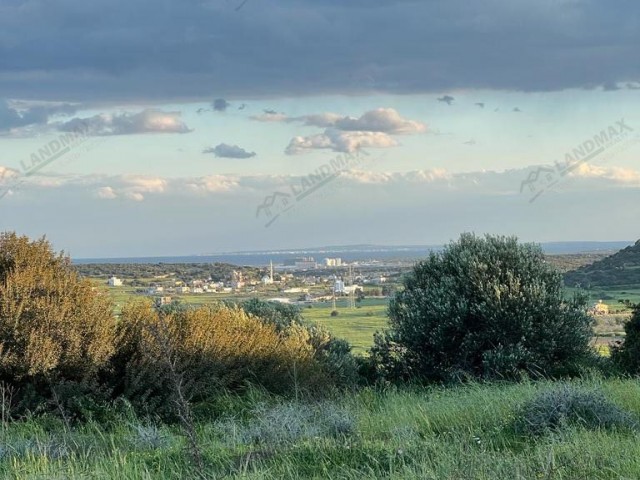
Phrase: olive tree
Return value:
(483, 307)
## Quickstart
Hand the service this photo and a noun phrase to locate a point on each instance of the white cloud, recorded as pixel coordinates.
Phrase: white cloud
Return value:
(142, 183)
(385, 120)
(346, 134)
(7, 174)
(135, 196)
(340, 141)
(613, 174)
(146, 121)
(106, 193)
(213, 184)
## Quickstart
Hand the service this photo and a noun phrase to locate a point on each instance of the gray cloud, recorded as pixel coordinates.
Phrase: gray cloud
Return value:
(220, 105)
(146, 121)
(177, 50)
(448, 99)
(17, 116)
(224, 150)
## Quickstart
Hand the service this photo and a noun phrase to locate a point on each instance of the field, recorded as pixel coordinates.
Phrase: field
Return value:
(465, 432)
(356, 325)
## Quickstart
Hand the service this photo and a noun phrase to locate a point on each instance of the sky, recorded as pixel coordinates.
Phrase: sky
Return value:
(189, 127)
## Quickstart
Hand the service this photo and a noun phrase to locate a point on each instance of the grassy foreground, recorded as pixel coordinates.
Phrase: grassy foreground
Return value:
(438, 433)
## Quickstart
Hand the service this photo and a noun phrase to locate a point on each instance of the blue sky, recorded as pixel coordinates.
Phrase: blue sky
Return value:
(193, 114)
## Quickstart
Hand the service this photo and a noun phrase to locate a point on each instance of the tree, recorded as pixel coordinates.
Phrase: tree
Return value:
(281, 315)
(55, 328)
(627, 354)
(483, 307)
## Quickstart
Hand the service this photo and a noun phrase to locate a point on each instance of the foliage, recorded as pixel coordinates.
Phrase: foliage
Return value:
(289, 422)
(281, 315)
(626, 355)
(483, 307)
(212, 348)
(56, 332)
(566, 405)
(333, 354)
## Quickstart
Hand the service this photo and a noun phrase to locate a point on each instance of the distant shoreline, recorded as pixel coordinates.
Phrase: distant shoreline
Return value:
(356, 253)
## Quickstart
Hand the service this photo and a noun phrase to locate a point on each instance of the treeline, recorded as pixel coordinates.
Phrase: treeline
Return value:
(181, 271)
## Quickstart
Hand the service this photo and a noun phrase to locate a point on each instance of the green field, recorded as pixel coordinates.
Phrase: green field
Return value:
(356, 325)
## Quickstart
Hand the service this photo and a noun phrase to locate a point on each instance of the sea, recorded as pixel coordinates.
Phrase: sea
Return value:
(360, 254)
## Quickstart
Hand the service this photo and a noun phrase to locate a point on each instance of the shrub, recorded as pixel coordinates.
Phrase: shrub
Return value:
(56, 331)
(483, 307)
(290, 422)
(335, 313)
(626, 355)
(212, 349)
(563, 406)
(333, 354)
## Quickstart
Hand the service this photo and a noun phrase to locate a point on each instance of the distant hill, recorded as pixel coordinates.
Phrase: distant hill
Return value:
(621, 268)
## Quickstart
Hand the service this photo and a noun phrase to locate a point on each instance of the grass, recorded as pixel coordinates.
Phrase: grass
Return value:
(356, 325)
(463, 432)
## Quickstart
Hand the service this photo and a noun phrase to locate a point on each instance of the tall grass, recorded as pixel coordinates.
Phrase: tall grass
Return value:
(462, 432)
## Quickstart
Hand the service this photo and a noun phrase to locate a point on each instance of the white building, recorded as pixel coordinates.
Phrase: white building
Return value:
(333, 262)
(114, 282)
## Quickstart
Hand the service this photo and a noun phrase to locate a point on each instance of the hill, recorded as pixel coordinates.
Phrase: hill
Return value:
(621, 268)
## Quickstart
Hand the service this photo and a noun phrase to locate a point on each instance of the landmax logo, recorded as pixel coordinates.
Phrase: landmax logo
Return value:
(543, 178)
(280, 202)
(50, 152)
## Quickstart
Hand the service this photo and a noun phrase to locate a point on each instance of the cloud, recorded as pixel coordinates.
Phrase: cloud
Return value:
(340, 141)
(612, 174)
(347, 134)
(7, 174)
(224, 150)
(386, 120)
(146, 121)
(150, 51)
(448, 99)
(16, 116)
(213, 184)
(220, 105)
(106, 193)
(270, 117)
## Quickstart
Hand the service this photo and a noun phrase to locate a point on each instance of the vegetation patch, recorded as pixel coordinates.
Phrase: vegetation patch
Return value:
(566, 405)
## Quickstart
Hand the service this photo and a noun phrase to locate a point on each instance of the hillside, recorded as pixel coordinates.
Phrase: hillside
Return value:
(621, 268)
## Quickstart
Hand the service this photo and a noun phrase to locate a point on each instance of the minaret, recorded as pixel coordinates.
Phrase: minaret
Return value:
(271, 269)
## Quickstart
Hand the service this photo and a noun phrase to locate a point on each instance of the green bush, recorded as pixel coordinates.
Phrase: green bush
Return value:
(279, 314)
(484, 307)
(56, 330)
(626, 355)
(566, 405)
